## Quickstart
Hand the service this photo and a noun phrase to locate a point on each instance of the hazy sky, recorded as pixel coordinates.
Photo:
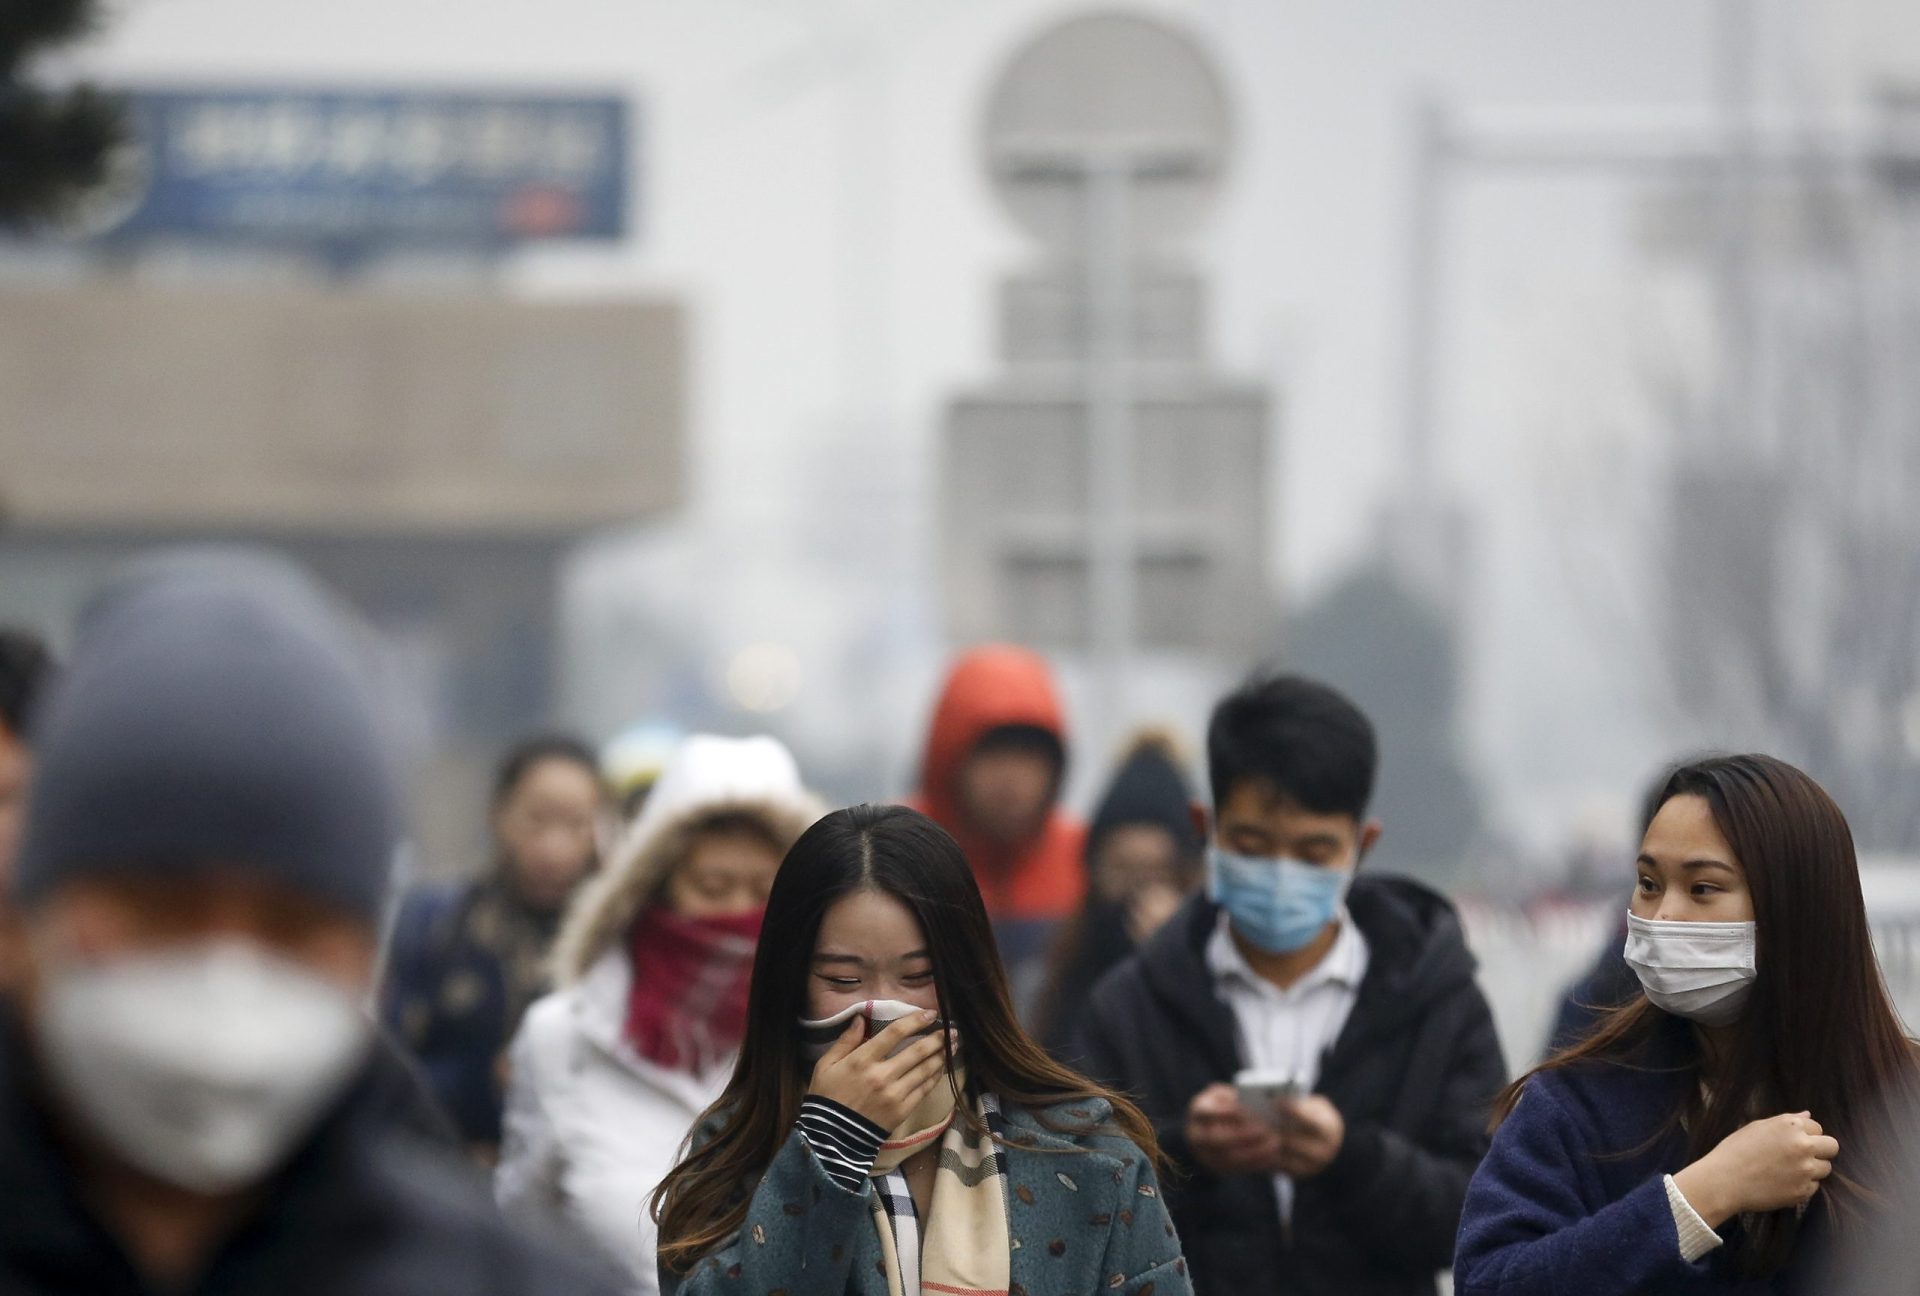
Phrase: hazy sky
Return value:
(810, 187)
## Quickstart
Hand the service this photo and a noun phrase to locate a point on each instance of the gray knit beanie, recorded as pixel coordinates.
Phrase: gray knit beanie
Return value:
(211, 715)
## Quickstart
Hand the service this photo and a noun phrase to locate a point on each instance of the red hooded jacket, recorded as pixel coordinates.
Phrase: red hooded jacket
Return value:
(1043, 877)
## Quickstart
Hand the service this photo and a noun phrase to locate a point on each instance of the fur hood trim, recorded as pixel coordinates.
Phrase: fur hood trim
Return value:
(707, 778)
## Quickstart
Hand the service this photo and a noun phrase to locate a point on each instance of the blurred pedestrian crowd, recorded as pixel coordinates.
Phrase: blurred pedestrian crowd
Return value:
(688, 1029)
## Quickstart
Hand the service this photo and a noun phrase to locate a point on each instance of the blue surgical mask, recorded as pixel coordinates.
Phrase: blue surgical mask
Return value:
(1279, 905)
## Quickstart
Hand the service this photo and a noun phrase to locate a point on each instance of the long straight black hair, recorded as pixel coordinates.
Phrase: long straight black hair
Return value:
(900, 853)
(1818, 1033)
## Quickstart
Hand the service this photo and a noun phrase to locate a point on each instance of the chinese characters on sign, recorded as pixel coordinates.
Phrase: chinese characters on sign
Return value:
(342, 170)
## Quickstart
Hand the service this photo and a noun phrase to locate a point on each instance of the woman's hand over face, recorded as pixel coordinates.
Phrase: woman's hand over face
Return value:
(857, 1073)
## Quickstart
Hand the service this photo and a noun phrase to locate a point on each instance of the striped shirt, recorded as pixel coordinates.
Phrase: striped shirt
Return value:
(843, 1141)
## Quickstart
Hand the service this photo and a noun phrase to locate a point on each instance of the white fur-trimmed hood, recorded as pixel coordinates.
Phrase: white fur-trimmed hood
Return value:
(707, 776)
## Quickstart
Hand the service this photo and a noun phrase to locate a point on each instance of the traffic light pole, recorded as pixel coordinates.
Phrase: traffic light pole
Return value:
(1112, 568)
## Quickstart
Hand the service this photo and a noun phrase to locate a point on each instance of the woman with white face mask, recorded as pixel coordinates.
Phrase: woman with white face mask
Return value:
(1711, 1134)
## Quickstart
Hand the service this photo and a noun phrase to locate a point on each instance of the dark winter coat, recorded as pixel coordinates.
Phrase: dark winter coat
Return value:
(1572, 1199)
(1413, 1074)
(1149, 789)
(364, 1208)
(463, 964)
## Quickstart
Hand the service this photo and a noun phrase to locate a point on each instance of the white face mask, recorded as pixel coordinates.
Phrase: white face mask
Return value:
(1702, 971)
(202, 1066)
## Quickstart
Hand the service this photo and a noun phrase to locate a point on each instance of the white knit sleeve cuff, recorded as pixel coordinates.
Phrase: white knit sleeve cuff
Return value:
(1696, 1239)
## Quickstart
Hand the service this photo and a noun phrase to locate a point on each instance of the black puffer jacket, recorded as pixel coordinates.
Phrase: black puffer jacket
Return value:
(1413, 1074)
(367, 1208)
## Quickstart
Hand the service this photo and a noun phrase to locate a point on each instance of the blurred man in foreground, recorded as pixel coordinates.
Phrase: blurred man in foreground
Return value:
(191, 1100)
(25, 669)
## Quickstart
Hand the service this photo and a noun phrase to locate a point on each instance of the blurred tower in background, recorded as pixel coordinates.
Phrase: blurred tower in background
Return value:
(1108, 494)
(1424, 536)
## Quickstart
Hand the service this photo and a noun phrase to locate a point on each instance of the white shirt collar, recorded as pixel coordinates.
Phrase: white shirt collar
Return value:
(1344, 964)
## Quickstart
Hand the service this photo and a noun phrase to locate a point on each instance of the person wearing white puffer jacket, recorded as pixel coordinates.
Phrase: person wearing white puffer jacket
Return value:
(652, 964)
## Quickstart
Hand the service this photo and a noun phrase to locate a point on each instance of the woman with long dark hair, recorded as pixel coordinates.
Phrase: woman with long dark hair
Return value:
(889, 1128)
(1717, 1130)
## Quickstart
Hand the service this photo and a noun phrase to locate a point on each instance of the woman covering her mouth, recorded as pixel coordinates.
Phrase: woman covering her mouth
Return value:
(932, 1146)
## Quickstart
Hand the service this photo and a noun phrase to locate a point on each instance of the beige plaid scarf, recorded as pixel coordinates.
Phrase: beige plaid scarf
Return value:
(966, 1249)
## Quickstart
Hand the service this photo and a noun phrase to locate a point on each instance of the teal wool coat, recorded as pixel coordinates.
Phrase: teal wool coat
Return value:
(1083, 1205)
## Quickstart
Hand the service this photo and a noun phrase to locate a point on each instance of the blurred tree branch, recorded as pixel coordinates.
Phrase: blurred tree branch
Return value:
(1777, 564)
(54, 145)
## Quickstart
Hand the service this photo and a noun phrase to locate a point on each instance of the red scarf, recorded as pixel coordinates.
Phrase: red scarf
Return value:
(687, 1007)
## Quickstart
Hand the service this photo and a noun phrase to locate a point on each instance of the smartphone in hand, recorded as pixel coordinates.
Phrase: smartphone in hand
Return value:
(1265, 1093)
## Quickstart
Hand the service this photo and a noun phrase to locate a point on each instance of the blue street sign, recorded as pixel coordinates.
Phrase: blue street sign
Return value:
(361, 171)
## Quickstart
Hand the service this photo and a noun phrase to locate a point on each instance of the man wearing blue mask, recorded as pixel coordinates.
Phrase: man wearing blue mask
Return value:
(1307, 1038)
